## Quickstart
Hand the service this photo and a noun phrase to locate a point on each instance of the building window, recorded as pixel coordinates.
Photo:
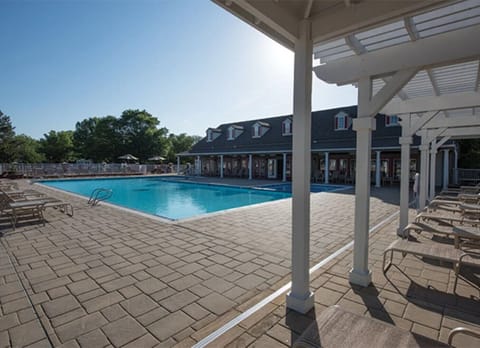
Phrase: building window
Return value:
(212, 134)
(231, 133)
(256, 131)
(391, 121)
(259, 129)
(234, 132)
(287, 127)
(342, 121)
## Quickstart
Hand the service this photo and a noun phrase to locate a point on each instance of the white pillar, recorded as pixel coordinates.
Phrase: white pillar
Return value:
(250, 169)
(405, 142)
(422, 197)
(284, 170)
(198, 166)
(360, 274)
(455, 167)
(221, 166)
(446, 177)
(327, 169)
(178, 165)
(300, 298)
(377, 170)
(433, 171)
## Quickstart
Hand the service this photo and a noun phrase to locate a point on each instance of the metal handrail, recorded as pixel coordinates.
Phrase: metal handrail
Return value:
(98, 195)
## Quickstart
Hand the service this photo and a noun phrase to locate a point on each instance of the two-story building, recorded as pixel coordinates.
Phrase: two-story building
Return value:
(261, 149)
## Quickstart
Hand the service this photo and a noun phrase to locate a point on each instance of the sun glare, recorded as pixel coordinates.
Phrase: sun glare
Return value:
(278, 57)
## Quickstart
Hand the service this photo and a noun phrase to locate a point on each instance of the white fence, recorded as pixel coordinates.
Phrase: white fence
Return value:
(468, 176)
(46, 170)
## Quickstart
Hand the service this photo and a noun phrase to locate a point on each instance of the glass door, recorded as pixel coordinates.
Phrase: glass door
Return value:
(272, 168)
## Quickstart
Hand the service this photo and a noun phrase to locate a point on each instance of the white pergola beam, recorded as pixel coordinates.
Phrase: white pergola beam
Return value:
(391, 87)
(477, 82)
(308, 9)
(462, 45)
(462, 132)
(340, 21)
(452, 121)
(272, 15)
(423, 104)
(422, 121)
(442, 141)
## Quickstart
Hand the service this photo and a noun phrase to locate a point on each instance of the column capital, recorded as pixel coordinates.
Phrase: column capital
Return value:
(445, 150)
(405, 140)
(364, 123)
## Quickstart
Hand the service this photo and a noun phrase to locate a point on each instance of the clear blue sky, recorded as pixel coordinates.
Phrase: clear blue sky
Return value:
(188, 62)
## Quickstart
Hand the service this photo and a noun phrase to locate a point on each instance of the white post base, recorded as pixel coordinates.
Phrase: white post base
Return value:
(301, 305)
(362, 279)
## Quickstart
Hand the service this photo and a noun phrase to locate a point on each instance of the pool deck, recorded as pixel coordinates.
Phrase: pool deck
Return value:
(110, 278)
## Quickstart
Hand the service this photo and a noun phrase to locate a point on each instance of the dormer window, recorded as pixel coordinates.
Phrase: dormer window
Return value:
(234, 132)
(259, 129)
(212, 134)
(391, 121)
(287, 127)
(342, 121)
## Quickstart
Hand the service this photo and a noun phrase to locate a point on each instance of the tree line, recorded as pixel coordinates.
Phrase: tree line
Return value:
(100, 139)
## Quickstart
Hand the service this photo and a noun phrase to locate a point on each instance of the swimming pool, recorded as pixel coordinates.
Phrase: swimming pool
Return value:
(172, 198)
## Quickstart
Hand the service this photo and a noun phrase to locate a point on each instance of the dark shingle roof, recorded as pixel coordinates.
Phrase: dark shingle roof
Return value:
(324, 136)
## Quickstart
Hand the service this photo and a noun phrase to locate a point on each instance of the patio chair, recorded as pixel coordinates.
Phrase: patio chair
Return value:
(15, 210)
(64, 207)
(435, 251)
(458, 233)
(337, 328)
(449, 218)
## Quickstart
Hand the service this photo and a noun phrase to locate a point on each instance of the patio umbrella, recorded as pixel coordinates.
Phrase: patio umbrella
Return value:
(156, 158)
(128, 157)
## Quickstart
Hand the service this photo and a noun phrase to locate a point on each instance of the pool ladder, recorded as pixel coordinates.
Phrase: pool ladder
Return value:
(98, 195)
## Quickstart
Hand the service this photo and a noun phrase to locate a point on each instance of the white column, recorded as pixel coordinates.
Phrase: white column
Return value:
(455, 167)
(300, 298)
(446, 177)
(422, 197)
(221, 166)
(250, 167)
(433, 171)
(363, 125)
(327, 165)
(198, 166)
(284, 170)
(405, 142)
(360, 274)
(178, 165)
(377, 170)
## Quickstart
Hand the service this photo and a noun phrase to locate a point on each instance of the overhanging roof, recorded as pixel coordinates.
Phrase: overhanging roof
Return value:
(331, 19)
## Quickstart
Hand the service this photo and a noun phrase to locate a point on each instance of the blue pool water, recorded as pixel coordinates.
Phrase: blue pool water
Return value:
(174, 199)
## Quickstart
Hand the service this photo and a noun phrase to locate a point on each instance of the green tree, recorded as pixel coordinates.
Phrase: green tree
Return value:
(83, 137)
(57, 146)
(180, 143)
(97, 138)
(7, 135)
(140, 136)
(27, 150)
(106, 142)
(469, 153)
